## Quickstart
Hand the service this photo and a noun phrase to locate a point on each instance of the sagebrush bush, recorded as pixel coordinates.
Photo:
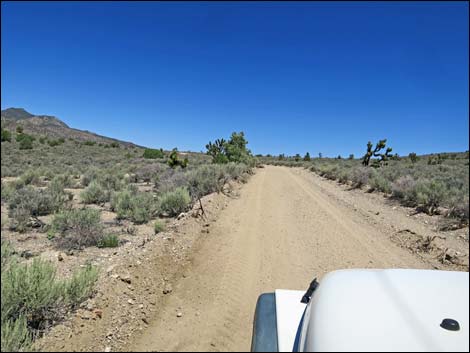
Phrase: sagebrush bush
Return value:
(109, 241)
(77, 228)
(205, 180)
(80, 286)
(31, 177)
(378, 182)
(95, 193)
(15, 335)
(32, 298)
(360, 176)
(429, 195)
(136, 206)
(158, 227)
(174, 202)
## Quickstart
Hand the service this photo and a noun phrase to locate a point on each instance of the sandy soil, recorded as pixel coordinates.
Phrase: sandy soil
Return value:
(285, 227)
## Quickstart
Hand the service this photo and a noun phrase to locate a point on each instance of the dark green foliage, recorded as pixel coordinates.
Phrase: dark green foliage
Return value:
(19, 129)
(114, 145)
(89, 143)
(109, 241)
(25, 141)
(297, 157)
(153, 153)
(6, 135)
(42, 140)
(217, 151)
(351, 156)
(174, 161)
(383, 156)
(413, 157)
(57, 142)
(233, 150)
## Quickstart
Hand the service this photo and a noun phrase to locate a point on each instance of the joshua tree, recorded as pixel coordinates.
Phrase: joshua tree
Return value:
(383, 156)
(307, 157)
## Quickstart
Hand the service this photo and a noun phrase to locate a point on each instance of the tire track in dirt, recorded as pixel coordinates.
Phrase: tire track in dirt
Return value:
(280, 233)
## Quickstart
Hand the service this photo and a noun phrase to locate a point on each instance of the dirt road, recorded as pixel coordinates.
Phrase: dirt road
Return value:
(281, 232)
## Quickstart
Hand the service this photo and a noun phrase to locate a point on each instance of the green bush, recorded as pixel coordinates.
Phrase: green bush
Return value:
(153, 153)
(28, 201)
(15, 335)
(32, 298)
(31, 177)
(174, 202)
(109, 241)
(136, 206)
(158, 227)
(6, 135)
(26, 143)
(94, 193)
(80, 286)
(378, 182)
(429, 195)
(77, 228)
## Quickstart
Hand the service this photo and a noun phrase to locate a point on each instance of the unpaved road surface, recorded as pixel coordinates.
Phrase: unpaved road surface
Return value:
(283, 230)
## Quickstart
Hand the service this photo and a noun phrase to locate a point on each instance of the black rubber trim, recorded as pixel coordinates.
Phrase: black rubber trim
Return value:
(264, 337)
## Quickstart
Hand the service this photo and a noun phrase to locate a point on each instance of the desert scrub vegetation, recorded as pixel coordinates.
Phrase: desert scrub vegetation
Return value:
(174, 202)
(33, 298)
(27, 202)
(158, 227)
(77, 228)
(139, 207)
(431, 183)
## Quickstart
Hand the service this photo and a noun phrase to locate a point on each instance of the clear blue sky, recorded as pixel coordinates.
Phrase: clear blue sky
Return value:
(295, 77)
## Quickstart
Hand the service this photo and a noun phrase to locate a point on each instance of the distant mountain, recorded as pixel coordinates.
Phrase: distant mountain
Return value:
(50, 126)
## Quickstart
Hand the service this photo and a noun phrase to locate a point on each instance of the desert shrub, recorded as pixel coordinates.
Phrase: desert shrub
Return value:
(136, 206)
(42, 140)
(158, 227)
(403, 187)
(15, 335)
(378, 182)
(32, 298)
(6, 135)
(343, 176)
(19, 219)
(6, 192)
(94, 193)
(360, 176)
(28, 201)
(114, 145)
(109, 241)
(31, 177)
(63, 180)
(89, 143)
(153, 153)
(88, 176)
(26, 143)
(80, 286)
(77, 228)
(429, 195)
(111, 180)
(174, 202)
(205, 180)
(30, 290)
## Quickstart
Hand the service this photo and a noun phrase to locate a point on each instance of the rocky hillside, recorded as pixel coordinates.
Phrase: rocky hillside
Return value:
(49, 126)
